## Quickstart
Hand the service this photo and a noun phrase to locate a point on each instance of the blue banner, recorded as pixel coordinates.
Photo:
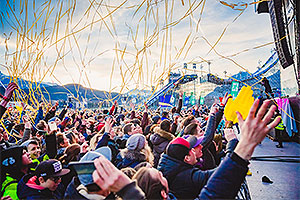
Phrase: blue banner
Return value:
(186, 101)
(164, 101)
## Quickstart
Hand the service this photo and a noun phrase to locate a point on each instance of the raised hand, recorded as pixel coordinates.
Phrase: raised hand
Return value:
(108, 124)
(108, 177)
(214, 109)
(180, 94)
(225, 99)
(9, 91)
(255, 128)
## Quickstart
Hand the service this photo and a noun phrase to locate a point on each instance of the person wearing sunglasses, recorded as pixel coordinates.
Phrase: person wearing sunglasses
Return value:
(44, 183)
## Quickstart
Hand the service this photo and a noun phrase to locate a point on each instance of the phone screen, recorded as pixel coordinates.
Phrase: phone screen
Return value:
(86, 167)
(52, 126)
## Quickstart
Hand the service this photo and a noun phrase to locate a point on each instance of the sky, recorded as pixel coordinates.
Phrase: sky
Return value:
(120, 45)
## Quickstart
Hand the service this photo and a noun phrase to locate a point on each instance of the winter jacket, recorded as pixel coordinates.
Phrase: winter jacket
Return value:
(185, 181)
(226, 181)
(129, 158)
(71, 192)
(132, 192)
(160, 140)
(9, 187)
(208, 147)
(76, 190)
(28, 189)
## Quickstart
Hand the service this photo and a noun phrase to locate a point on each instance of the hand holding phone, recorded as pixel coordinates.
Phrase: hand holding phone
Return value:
(52, 126)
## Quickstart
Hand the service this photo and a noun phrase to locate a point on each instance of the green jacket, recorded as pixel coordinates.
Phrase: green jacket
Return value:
(9, 187)
(39, 160)
(280, 126)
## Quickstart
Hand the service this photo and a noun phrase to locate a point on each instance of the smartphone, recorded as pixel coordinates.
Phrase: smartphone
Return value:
(52, 126)
(85, 167)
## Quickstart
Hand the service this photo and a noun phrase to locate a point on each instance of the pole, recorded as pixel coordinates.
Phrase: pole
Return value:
(194, 67)
(297, 40)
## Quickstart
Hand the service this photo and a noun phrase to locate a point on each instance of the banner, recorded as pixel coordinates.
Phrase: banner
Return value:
(234, 89)
(192, 99)
(186, 101)
(201, 100)
(164, 101)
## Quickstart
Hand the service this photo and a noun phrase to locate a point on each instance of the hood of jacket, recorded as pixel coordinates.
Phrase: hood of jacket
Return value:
(133, 155)
(164, 134)
(26, 192)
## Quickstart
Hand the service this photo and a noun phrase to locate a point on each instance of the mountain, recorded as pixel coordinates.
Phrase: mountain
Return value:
(57, 92)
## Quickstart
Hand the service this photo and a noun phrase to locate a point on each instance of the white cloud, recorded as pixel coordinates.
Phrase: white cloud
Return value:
(98, 55)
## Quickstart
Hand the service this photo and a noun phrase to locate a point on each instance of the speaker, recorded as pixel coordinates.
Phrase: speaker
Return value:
(278, 26)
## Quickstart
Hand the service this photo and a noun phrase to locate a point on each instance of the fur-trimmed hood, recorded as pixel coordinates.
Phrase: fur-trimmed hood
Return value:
(163, 133)
(133, 155)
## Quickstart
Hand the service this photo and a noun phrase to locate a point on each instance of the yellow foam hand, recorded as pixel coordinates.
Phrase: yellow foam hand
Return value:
(242, 103)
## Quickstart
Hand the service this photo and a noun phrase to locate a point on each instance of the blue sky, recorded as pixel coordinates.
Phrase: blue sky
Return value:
(92, 55)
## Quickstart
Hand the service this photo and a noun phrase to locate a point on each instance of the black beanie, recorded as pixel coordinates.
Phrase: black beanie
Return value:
(11, 161)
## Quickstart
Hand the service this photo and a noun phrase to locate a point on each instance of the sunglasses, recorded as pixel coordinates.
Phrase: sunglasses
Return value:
(55, 179)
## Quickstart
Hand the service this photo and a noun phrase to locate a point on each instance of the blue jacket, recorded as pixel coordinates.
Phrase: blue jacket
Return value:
(226, 181)
(185, 181)
(129, 158)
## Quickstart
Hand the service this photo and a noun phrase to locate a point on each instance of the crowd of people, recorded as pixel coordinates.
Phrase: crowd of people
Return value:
(179, 153)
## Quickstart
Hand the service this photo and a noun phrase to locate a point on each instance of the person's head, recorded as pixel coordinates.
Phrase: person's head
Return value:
(156, 119)
(19, 128)
(191, 129)
(34, 149)
(71, 136)
(56, 120)
(71, 153)
(188, 120)
(62, 140)
(182, 149)
(132, 128)
(142, 164)
(152, 182)
(165, 125)
(15, 161)
(136, 121)
(48, 174)
(196, 144)
(173, 110)
(136, 142)
(42, 126)
(127, 128)
(165, 114)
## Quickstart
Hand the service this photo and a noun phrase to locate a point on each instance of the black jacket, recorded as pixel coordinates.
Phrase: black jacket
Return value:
(71, 192)
(160, 140)
(185, 181)
(26, 192)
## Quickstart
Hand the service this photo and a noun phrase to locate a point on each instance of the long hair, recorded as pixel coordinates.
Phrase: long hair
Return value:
(71, 154)
(149, 155)
(151, 186)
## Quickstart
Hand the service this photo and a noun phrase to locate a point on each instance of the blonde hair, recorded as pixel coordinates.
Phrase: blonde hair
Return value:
(94, 141)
